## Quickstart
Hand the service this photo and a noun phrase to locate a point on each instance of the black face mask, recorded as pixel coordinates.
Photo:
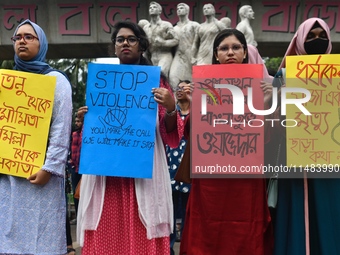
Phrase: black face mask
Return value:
(316, 46)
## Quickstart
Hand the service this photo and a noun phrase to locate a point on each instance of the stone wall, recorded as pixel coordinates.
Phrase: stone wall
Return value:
(81, 29)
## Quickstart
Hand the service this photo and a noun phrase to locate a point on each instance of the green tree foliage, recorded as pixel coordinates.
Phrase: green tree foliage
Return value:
(76, 70)
(6, 64)
(273, 64)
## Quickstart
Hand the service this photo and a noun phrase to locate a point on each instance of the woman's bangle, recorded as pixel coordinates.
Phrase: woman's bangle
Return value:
(171, 113)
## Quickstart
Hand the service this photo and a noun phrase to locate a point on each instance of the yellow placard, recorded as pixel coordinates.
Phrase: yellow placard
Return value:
(26, 102)
(316, 138)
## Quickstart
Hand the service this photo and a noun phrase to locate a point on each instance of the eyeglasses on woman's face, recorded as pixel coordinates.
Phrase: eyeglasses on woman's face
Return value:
(27, 38)
(236, 48)
(131, 40)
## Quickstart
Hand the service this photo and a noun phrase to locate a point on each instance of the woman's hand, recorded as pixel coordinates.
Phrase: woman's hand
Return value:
(163, 97)
(187, 88)
(40, 178)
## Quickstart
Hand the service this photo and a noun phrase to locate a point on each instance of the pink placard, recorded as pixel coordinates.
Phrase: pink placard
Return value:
(225, 144)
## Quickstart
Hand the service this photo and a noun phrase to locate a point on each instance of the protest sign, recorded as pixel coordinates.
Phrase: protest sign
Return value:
(119, 127)
(223, 141)
(315, 140)
(26, 102)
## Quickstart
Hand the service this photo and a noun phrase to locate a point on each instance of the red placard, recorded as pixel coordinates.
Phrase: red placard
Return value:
(227, 137)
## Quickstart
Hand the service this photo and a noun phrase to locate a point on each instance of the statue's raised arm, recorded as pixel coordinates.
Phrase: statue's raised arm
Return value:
(162, 38)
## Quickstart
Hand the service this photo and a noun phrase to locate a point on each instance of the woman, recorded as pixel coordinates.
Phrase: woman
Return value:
(312, 37)
(118, 215)
(180, 190)
(33, 210)
(227, 216)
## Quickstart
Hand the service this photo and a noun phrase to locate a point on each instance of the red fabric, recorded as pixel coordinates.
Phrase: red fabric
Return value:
(227, 216)
(75, 149)
(172, 139)
(187, 127)
(120, 230)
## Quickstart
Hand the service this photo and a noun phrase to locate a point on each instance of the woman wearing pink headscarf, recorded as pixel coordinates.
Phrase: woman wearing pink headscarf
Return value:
(308, 42)
(308, 210)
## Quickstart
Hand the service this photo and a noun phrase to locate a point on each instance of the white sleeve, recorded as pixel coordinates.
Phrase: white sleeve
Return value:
(60, 127)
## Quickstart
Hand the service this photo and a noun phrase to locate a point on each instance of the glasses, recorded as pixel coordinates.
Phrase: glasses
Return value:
(27, 38)
(179, 89)
(236, 48)
(131, 40)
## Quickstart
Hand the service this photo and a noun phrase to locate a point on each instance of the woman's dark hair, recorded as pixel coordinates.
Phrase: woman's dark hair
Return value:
(186, 81)
(139, 33)
(224, 34)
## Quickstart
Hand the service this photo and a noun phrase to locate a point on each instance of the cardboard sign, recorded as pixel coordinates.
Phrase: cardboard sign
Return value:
(119, 128)
(26, 103)
(223, 142)
(316, 138)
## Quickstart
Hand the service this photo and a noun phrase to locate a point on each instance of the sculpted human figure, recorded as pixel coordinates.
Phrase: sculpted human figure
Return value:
(226, 21)
(143, 22)
(162, 37)
(185, 29)
(204, 38)
(246, 14)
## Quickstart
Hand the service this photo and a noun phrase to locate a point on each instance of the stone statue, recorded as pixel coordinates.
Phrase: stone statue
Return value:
(181, 67)
(226, 21)
(246, 14)
(202, 48)
(143, 22)
(162, 38)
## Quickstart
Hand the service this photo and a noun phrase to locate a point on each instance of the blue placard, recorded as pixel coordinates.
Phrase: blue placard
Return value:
(119, 127)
